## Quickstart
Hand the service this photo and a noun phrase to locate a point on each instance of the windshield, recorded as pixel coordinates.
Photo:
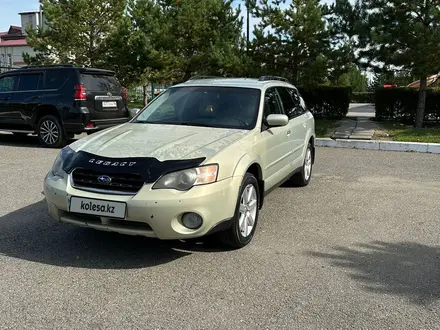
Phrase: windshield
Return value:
(223, 107)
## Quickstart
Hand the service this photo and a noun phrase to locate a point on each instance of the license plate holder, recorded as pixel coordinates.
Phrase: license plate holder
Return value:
(98, 207)
(109, 104)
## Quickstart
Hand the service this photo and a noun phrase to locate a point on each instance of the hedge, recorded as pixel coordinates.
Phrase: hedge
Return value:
(327, 102)
(401, 104)
(365, 97)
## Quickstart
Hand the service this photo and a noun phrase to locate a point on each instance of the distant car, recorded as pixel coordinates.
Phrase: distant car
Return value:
(199, 159)
(58, 101)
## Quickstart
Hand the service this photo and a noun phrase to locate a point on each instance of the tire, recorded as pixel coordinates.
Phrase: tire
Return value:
(303, 178)
(239, 235)
(50, 132)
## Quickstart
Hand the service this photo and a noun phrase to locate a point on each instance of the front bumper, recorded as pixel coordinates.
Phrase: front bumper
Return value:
(150, 213)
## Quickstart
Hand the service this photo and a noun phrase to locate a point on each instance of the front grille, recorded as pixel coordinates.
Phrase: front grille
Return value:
(120, 182)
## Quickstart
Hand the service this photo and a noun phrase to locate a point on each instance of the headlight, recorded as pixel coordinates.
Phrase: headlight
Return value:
(186, 179)
(57, 167)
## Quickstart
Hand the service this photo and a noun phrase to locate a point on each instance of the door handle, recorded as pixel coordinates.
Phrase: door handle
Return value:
(6, 98)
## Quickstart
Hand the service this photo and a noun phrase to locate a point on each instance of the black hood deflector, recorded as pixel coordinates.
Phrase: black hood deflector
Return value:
(149, 168)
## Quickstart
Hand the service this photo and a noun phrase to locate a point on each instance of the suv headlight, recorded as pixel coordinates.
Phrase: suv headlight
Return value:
(186, 179)
(57, 167)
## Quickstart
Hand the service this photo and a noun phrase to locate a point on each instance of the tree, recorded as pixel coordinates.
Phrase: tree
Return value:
(132, 52)
(354, 78)
(199, 37)
(76, 31)
(399, 78)
(342, 23)
(403, 34)
(292, 41)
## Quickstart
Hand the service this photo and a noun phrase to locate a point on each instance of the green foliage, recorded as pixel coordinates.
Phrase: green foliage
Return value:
(399, 78)
(403, 34)
(291, 42)
(342, 22)
(76, 31)
(199, 37)
(354, 78)
(401, 104)
(362, 97)
(327, 102)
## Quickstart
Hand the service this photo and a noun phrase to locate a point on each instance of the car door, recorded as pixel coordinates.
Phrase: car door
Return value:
(297, 123)
(7, 84)
(27, 97)
(276, 142)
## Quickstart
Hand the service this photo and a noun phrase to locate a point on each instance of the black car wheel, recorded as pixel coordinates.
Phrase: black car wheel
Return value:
(50, 132)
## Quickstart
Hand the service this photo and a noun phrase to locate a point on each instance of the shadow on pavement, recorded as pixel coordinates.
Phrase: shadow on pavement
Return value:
(28, 141)
(7, 139)
(30, 234)
(406, 269)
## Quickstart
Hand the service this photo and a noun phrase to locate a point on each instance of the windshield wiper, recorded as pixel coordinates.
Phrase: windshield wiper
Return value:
(184, 123)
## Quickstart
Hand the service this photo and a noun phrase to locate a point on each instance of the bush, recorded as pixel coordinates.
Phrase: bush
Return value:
(367, 97)
(327, 102)
(401, 104)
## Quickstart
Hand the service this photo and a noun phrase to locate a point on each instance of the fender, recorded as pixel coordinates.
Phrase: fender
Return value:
(245, 162)
(243, 165)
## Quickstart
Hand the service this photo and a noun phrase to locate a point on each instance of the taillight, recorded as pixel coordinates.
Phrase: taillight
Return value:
(124, 93)
(80, 92)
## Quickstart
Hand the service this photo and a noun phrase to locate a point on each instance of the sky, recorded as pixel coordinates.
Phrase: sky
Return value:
(10, 9)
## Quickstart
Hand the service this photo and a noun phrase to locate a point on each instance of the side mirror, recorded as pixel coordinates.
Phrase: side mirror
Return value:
(134, 111)
(277, 120)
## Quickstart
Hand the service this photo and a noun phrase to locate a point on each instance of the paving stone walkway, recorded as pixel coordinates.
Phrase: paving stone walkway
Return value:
(361, 128)
(357, 125)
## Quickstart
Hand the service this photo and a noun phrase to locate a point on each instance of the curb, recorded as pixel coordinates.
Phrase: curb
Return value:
(433, 148)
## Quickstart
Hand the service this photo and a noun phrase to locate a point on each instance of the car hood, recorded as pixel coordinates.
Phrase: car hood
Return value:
(164, 142)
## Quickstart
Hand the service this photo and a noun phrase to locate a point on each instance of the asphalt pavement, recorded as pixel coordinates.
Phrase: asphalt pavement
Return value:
(357, 249)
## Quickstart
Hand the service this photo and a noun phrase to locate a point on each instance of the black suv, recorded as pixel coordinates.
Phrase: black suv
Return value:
(58, 101)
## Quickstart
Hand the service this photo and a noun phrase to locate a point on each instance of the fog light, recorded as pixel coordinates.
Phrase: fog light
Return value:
(192, 220)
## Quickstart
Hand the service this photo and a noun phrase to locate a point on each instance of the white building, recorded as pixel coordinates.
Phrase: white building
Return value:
(13, 42)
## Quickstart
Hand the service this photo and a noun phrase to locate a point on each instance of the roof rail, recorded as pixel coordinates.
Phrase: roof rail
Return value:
(265, 78)
(198, 77)
(49, 66)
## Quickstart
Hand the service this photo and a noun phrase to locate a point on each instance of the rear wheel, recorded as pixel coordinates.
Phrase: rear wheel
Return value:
(50, 132)
(245, 219)
(302, 178)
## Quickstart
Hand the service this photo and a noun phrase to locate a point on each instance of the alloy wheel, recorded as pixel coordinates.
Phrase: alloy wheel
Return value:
(248, 210)
(49, 132)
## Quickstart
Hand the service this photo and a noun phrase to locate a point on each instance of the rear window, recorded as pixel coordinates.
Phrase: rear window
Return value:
(30, 82)
(99, 82)
(55, 79)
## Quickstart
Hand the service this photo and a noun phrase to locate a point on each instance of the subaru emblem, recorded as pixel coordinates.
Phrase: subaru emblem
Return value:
(104, 179)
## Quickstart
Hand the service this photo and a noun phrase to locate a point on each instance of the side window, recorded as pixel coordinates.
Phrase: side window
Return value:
(7, 83)
(299, 109)
(289, 104)
(55, 79)
(271, 103)
(30, 82)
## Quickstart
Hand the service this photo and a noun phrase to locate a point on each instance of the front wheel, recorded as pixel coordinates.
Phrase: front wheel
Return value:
(245, 219)
(50, 132)
(302, 178)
